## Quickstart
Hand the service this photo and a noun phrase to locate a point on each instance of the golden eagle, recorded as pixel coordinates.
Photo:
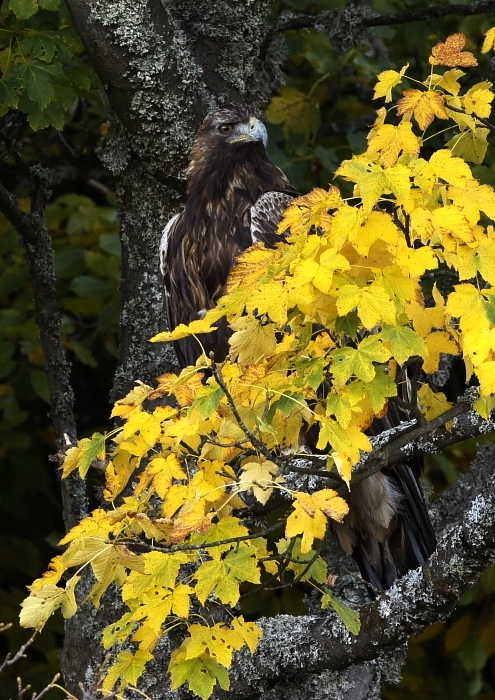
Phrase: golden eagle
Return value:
(235, 197)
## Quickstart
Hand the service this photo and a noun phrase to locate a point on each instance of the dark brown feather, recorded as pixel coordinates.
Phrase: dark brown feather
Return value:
(224, 181)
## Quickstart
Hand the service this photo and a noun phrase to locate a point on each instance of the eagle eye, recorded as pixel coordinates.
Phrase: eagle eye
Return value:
(225, 128)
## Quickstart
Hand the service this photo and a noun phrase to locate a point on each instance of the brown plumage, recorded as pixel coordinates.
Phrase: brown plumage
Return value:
(228, 174)
(236, 196)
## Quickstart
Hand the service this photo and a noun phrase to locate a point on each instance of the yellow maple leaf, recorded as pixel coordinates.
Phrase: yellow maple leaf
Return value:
(252, 340)
(249, 631)
(470, 144)
(310, 514)
(148, 425)
(320, 273)
(424, 319)
(432, 403)
(389, 141)
(133, 401)
(372, 302)
(473, 259)
(387, 80)
(128, 667)
(310, 210)
(81, 456)
(450, 53)
(425, 106)
(449, 81)
(415, 262)
(186, 388)
(477, 99)
(118, 472)
(378, 225)
(201, 325)
(453, 170)
(270, 299)
(219, 641)
(44, 600)
(259, 477)
(250, 266)
(466, 303)
(162, 471)
(486, 376)
(471, 193)
(489, 40)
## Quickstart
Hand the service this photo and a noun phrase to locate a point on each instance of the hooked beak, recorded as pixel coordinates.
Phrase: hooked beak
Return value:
(254, 131)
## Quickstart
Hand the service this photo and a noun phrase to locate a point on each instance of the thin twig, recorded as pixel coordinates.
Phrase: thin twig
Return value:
(195, 547)
(21, 221)
(11, 659)
(252, 438)
(482, 120)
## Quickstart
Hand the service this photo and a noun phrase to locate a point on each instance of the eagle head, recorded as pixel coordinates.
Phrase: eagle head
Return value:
(223, 129)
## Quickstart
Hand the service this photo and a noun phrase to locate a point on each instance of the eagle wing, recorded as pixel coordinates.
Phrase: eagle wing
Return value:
(266, 213)
(193, 283)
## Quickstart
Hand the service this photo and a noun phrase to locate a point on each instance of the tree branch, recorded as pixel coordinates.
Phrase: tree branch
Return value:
(39, 253)
(418, 599)
(400, 444)
(21, 221)
(305, 21)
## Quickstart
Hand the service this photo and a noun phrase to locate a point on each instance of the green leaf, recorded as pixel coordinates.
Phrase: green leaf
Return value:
(82, 353)
(207, 400)
(41, 45)
(317, 571)
(91, 287)
(381, 388)
(118, 631)
(81, 76)
(201, 674)
(472, 654)
(311, 369)
(39, 383)
(81, 456)
(348, 324)
(50, 4)
(224, 576)
(349, 617)
(8, 96)
(286, 404)
(359, 361)
(110, 243)
(128, 668)
(23, 9)
(69, 262)
(405, 342)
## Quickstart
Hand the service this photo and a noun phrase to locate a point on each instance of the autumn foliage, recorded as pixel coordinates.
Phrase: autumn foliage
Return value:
(354, 291)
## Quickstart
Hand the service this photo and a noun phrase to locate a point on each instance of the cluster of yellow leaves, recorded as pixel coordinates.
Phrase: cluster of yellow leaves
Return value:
(321, 326)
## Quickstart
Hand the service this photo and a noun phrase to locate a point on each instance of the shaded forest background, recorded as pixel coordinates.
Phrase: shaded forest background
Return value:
(319, 118)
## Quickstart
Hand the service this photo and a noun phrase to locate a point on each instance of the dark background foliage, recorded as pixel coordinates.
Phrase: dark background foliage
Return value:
(53, 112)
